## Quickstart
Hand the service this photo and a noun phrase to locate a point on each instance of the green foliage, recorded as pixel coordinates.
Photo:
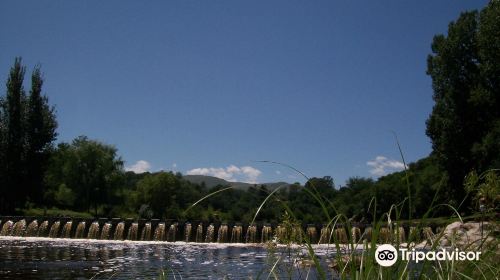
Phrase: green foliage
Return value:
(54, 212)
(27, 131)
(163, 195)
(485, 189)
(353, 199)
(13, 134)
(40, 133)
(64, 196)
(90, 169)
(157, 191)
(465, 122)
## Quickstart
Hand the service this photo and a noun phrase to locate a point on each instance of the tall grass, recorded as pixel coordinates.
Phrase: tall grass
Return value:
(354, 259)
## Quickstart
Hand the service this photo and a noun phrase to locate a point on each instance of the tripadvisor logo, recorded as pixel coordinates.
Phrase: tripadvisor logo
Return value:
(387, 255)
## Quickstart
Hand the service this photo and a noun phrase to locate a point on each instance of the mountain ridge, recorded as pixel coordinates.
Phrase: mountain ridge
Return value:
(211, 181)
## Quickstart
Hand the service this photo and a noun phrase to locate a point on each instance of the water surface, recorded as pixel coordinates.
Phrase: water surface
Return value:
(46, 258)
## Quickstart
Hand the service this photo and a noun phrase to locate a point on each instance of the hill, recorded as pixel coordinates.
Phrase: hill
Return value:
(211, 182)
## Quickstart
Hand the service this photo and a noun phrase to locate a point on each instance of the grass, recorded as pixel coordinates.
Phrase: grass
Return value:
(352, 266)
(55, 212)
(349, 263)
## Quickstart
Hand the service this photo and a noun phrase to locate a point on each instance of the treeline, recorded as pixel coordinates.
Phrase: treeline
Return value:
(87, 176)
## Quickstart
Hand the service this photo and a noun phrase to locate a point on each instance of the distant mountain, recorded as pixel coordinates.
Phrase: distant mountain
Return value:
(211, 182)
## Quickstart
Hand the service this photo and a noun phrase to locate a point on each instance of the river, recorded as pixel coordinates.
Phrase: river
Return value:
(48, 258)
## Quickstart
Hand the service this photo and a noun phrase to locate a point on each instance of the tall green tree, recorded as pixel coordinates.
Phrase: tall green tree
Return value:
(464, 125)
(158, 193)
(13, 139)
(40, 134)
(86, 169)
(27, 131)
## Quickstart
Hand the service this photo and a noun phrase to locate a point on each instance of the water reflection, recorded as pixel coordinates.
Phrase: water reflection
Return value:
(63, 259)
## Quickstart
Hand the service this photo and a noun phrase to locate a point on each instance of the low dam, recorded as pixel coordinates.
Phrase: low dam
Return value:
(201, 232)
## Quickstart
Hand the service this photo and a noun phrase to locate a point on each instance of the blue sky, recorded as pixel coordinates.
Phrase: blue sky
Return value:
(209, 87)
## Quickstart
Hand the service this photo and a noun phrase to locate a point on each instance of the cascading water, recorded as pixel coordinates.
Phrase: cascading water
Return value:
(210, 234)
(384, 235)
(159, 232)
(66, 231)
(43, 229)
(19, 228)
(93, 231)
(7, 228)
(281, 234)
(312, 233)
(356, 234)
(399, 235)
(80, 230)
(106, 229)
(199, 233)
(236, 234)
(120, 228)
(251, 236)
(133, 231)
(341, 235)
(146, 232)
(325, 234)
(222, 234)
(266, 235)
(414, 235)
(187, 232)
(367, 234)
(296, 234)
(54, 229)
(32, 229)
(172, 233)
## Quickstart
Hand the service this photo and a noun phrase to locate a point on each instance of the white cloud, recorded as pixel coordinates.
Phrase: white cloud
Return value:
(232, 173)
(140, 166)
(382, 165)
(216, 172)
(233, 169)
(174, 165)
(251, 173)
(277, 172)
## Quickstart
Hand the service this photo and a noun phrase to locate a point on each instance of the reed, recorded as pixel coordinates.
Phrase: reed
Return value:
(352, 253)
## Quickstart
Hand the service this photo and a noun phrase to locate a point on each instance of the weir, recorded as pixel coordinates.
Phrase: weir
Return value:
(200, 232)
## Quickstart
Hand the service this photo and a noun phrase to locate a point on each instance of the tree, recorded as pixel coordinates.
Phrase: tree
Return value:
(27, 131)
(90, 169)
(158, 193)
(464, 125)
(13, 139)
(40, 133)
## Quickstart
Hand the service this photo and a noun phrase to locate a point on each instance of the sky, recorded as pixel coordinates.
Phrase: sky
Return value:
(215, 87)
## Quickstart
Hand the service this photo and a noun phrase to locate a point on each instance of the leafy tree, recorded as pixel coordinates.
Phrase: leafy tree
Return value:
(325, 186)
(27, 130)
(353, 199)
(464, 125)
(40, 133)
(13, 139)
(90, 169)
(158, 193)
